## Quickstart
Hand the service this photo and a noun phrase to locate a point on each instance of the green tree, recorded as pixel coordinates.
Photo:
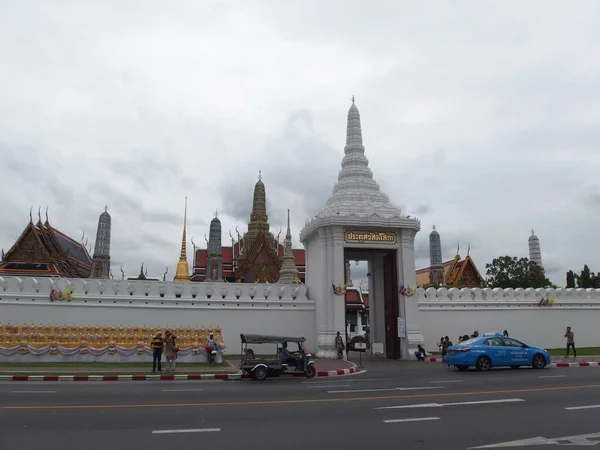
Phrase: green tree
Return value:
(570, 279)
(512, 272)
(587, 279)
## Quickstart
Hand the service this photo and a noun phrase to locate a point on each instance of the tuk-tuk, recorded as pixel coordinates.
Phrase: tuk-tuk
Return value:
(284, 360)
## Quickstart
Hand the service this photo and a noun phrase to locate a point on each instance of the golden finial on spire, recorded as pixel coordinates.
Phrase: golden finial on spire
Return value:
(182, 273)
(458, 248)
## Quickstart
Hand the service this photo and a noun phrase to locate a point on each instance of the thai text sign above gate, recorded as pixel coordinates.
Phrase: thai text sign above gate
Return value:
(371, 237)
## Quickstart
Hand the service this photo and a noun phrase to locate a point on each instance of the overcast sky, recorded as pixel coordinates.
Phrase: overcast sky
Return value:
(480, 117)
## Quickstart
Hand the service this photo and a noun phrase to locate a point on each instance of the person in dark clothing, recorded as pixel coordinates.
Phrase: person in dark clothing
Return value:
(157, 348)
(420, 354)
(570, 336)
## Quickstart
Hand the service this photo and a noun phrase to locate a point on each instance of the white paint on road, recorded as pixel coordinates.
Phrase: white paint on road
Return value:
(553, 376)
(33, 392)
(414, 419)
(446, 381)
(581, 440)
(193, 430)
(575, 408)
(351, 391)
(441, 405)
(182, 390)
(329, 386)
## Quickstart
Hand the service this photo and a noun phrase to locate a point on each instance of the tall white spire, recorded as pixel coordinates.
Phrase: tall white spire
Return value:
(289, 272)
(356, 196)
(535, 251)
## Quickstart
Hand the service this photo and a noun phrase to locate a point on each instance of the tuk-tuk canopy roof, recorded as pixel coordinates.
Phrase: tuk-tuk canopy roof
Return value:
(262, 339)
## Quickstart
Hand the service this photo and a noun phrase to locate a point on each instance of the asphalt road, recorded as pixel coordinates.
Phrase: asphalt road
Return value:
(377, 409)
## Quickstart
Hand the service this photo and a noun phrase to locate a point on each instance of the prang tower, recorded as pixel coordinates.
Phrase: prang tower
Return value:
(436, 273)
(535, 252)
(214, 254)
(101, 257)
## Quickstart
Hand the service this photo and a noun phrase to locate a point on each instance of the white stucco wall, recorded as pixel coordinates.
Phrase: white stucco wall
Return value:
(453, 312)
(274, 309)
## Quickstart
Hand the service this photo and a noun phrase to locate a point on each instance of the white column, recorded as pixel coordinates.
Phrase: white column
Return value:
(322, 302)
(408, 305)
(376, 301)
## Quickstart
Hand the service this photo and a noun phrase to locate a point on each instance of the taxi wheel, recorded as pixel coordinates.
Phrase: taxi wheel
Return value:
(483, 363)
(539, 362)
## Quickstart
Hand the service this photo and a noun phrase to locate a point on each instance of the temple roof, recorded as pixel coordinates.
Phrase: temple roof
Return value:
(51, 251)
(357, 199)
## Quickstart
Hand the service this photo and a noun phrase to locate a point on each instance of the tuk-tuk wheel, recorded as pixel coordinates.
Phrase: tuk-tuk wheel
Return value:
(260, 374)
(310, 372)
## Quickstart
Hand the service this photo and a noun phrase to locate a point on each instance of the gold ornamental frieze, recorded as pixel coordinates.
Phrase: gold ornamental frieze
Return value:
(370, 237)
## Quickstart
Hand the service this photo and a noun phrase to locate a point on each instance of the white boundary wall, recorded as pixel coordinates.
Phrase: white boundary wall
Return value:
(235, 308)
(454, 312)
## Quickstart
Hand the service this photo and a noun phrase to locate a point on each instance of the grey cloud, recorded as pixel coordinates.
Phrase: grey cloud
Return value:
(422, 210)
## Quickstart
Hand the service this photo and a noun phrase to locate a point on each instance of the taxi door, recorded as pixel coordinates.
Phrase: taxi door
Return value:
(517, 352)
(495, 349)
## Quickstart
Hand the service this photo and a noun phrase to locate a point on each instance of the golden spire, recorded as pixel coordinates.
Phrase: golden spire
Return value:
(182, 273)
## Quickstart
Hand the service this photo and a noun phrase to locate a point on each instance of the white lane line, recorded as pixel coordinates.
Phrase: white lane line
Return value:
(349, 391)
(182, 390)
(33, 392)
(574, 408)
(441, 405)
(415, 419)
(446, 381)
(553, 376)
(328, 386)
(195, 430)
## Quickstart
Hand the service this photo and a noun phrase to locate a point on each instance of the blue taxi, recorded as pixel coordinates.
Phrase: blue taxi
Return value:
(495, 350)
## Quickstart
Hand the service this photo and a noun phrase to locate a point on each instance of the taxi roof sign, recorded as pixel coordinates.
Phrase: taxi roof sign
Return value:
(492, 334)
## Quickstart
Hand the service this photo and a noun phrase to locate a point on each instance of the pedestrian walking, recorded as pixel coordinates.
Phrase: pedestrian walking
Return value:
(570, 336)
(158, 344)
(339, 345)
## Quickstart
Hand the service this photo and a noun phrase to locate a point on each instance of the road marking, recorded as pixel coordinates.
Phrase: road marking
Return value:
(441, 405)
(502, 392)
(415, 419)
(446, 381)
(33, 392)
(182, 390)
(579, 440)
(196, 430)
(553, 376)
(574, 408)
(386, 389)
(328, 386)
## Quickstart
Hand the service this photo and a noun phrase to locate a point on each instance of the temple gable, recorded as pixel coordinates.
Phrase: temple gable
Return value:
(259, 263)
(28, 248)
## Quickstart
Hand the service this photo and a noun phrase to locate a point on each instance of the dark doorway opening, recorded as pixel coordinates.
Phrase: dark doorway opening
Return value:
(390, 294)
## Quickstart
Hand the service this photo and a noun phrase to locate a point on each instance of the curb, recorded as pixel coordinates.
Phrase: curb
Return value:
(558, 364)
(164, 377)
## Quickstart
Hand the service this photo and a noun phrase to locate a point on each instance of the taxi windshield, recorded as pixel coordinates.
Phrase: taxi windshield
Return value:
(467, 342)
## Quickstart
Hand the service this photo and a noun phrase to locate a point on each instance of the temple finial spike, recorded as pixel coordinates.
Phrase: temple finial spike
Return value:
(105, 208)
(40, 214)
(532, 232)
(217, 213)
(31, 215)
(47, 214)
(433, 227)
(468, 249)
(260, 175)
(353, 99)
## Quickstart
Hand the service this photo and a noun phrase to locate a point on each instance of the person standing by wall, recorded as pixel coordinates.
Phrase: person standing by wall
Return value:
(157, 348)
(570, 336)
(171, 350)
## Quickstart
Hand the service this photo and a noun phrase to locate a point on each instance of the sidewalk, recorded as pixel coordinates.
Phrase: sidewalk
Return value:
(325, 368)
